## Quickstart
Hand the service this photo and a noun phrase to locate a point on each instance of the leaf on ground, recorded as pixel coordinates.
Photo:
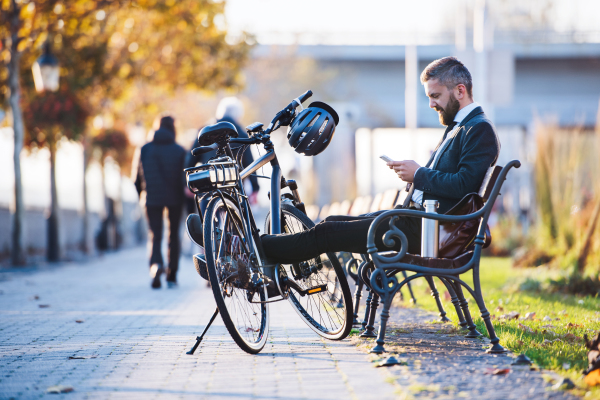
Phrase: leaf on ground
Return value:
(526, 328)
(59, 389)
(551, 333)
(569, 337)
(520, 342)
(499, 309)
(593, 378)
(547, 342)
(548, 326)
(510, 315)
(43, 305)
(496, 371)
(83, 357)
(571, 325)
(546, 318)
(564, 384)
(529, 316)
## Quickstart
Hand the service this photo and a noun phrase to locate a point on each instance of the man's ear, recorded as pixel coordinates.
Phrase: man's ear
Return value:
(460, 91)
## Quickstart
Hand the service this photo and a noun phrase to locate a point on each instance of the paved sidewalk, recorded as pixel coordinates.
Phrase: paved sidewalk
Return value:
(133, 341)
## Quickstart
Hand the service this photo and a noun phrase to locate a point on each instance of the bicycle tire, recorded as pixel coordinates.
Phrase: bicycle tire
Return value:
(337, 293)
(247, 323)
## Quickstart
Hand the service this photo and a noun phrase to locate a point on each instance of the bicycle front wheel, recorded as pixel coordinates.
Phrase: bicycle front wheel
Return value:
(329, 312)
(230, 271)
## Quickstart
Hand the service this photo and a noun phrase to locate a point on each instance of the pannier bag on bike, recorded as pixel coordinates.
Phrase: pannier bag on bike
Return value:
(211, 176)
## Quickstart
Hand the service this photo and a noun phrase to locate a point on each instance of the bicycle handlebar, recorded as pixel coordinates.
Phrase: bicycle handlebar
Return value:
(250, 140)
(301, 99)
(285, 116)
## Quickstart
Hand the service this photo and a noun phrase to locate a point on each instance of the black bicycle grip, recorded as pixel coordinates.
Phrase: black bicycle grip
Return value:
(305, 96)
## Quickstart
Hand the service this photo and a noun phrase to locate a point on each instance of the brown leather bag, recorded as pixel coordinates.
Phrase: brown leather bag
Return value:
(457, 238)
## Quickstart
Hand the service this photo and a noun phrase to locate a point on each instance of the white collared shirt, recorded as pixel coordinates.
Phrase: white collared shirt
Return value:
(417, 196)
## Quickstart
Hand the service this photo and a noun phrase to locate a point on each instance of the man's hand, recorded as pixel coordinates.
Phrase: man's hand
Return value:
(405, 169)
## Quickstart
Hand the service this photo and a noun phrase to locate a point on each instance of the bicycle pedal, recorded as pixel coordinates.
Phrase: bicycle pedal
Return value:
(316, 289)
(309, 291)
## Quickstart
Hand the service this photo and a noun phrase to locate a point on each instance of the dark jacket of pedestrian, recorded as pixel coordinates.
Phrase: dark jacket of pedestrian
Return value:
(160, 170)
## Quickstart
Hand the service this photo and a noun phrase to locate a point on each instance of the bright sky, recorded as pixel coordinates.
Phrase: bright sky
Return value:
(276, 21)
(386, 21)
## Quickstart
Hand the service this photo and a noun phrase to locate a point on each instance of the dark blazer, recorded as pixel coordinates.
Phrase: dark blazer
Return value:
(160, 170)
(463, 162)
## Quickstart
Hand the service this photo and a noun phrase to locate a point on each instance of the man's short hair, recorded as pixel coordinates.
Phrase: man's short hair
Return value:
(450, 72)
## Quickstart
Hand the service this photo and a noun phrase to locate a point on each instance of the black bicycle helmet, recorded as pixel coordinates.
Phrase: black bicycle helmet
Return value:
(312, 130)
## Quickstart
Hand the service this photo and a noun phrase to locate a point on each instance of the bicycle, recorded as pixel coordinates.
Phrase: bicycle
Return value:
(243, 283)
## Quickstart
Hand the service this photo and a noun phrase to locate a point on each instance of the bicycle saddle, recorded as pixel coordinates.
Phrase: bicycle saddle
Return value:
(216, 133)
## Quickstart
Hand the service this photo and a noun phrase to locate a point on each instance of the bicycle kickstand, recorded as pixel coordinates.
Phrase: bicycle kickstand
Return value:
(199, 338)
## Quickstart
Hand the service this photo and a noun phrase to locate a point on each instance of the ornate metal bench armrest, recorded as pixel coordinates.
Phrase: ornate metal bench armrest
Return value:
(393, 215)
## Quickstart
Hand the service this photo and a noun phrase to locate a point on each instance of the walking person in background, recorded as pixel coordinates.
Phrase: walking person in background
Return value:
(230, 109)
(160, 182)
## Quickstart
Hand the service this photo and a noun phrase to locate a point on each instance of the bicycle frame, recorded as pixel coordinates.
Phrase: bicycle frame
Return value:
(275, 186)
(283, 118)
(239, 196)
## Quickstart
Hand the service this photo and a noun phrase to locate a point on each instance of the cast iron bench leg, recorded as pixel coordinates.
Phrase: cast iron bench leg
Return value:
(412, 296)
(473, 332)
(357, 296)
(436, 295)
(454, 299)
(367, 309)
(385, 315)
(370, 328)
(485, 315)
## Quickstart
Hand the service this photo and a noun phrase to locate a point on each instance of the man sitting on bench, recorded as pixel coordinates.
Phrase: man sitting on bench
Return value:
(456, 168)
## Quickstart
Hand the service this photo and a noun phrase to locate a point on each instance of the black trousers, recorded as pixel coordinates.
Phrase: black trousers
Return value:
(155, 220)
(338, 233)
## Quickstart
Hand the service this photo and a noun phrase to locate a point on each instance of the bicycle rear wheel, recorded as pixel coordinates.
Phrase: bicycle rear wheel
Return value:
(329, 312)
(230, 272)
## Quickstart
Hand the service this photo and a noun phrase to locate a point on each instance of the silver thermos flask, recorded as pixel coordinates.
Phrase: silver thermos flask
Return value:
(430, 235)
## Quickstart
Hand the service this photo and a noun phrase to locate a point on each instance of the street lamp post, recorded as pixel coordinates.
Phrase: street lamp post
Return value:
(46, 75)
(46, 71)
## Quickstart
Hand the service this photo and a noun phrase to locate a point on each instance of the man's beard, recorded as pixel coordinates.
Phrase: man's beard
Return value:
(447, 114)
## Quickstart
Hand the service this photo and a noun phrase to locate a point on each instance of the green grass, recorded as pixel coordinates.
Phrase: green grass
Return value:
(570, 317)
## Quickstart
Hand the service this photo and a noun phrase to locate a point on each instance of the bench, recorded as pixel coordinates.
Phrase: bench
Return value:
(379, 269)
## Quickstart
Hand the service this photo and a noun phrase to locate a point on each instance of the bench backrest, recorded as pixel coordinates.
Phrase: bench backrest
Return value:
(489, 181)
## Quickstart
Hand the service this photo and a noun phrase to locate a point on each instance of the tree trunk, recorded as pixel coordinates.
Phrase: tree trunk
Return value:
(53, 250)
(86, 240)
(18, 231)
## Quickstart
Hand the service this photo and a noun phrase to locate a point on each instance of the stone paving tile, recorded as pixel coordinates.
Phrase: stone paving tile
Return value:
(134, 340)
(443, 364)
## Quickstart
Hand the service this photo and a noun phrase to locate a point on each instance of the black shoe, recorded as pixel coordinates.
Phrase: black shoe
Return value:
(200, 264)
(156, 270)
(194, 229)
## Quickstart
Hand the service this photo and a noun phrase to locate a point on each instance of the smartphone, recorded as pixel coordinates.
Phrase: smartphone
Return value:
(385, 158)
